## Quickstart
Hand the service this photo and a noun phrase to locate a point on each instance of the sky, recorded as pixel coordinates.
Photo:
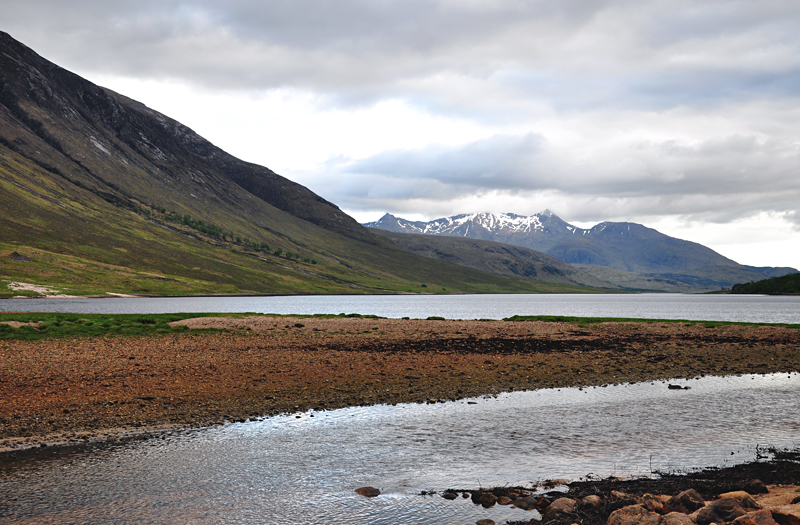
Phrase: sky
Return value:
(682, 116)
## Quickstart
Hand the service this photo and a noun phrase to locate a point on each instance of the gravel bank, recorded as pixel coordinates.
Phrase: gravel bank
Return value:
(67, 391)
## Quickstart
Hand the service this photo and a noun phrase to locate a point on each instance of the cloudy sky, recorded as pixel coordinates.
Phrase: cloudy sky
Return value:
(683, 116)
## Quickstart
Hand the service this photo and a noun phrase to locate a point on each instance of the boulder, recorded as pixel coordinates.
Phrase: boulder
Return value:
(592, 501)
(720, 511)
(558, 507)
(685, 502)
(484, 522)
(787, 514)
(369, 492)
(487, 499)
(624, 497)
(504, 500)
(450, 495)
(738, 495)
(633, 515)
(676, 518)
(759, 517)
(652, 503)
(526, 503)
(755, 486)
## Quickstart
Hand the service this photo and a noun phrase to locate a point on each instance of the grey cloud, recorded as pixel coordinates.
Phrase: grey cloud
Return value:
(717, 180)
(568, 54)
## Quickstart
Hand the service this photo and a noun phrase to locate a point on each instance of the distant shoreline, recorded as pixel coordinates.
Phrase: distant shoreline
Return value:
(69, 391)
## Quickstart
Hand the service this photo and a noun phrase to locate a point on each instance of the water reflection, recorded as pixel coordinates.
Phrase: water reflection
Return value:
(304, 470)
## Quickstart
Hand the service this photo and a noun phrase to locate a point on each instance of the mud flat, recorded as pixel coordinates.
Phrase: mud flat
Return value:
(59, 391)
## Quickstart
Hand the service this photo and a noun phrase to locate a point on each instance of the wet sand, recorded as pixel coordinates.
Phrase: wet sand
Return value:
(70, 391)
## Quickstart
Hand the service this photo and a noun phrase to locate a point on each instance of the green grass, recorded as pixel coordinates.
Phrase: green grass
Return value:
(61, 326)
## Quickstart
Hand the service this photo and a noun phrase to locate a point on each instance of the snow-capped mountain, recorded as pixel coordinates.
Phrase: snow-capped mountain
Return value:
(622, 246)
(540, 232)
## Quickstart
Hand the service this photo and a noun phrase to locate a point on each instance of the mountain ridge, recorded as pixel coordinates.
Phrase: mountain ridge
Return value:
(623, 246)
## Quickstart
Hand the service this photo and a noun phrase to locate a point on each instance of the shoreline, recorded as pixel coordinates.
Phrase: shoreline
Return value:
(75, 391)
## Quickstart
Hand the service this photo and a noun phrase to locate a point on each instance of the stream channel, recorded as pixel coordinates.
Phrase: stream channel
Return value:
(303, 468)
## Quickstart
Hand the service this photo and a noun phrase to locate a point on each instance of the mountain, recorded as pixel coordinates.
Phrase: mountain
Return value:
(538, 232)
(495, 257)
(640, 257)
(102, 194)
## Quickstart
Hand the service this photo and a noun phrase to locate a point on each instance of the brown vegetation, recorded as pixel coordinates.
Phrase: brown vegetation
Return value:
(62, 390)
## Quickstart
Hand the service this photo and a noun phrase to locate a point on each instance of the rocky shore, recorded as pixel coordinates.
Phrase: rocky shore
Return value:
(735, 495)
(73, 390)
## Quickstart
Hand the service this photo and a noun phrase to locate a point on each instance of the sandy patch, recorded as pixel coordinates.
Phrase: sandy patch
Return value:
(17, 324)
(47, 291)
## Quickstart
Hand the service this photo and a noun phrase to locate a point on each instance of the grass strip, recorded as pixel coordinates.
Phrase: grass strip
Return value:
(61, 325)
(39, 326)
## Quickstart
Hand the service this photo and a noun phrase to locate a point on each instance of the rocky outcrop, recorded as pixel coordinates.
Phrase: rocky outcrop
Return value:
(779, 506)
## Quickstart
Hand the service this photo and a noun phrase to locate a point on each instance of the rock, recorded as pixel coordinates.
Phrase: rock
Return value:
(652, 503)
(450, 495)
(633, 515)
(624, 497)
(487, 499)
(755, 486)
(592, 501)
(503, 500)
(558, 507)
(484, 522)
(759, 517)
(685, 502)
(740, 496)
(743, 498)
(676, 518)
(527, 503)
(720, 511)
(369, 492)
(787, 514)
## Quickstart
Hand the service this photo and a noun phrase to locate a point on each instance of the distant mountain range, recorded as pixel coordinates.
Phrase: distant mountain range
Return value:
(625, 254)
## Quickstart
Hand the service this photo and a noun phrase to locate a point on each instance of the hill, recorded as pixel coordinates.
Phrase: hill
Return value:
(495, 257)
(103, 194)
(784, 285)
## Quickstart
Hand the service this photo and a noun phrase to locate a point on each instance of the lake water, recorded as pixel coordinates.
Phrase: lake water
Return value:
(744, 308)
(304, 470)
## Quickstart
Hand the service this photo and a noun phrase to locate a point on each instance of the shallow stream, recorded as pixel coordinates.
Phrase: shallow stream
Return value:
(304, 469)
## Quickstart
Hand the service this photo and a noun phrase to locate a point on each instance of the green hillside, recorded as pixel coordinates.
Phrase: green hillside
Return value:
(785, 285)
(101, 194)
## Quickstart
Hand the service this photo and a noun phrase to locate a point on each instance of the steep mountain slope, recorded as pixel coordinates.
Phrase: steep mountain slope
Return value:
(495, 257)
(642, 258)
(100, 193)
